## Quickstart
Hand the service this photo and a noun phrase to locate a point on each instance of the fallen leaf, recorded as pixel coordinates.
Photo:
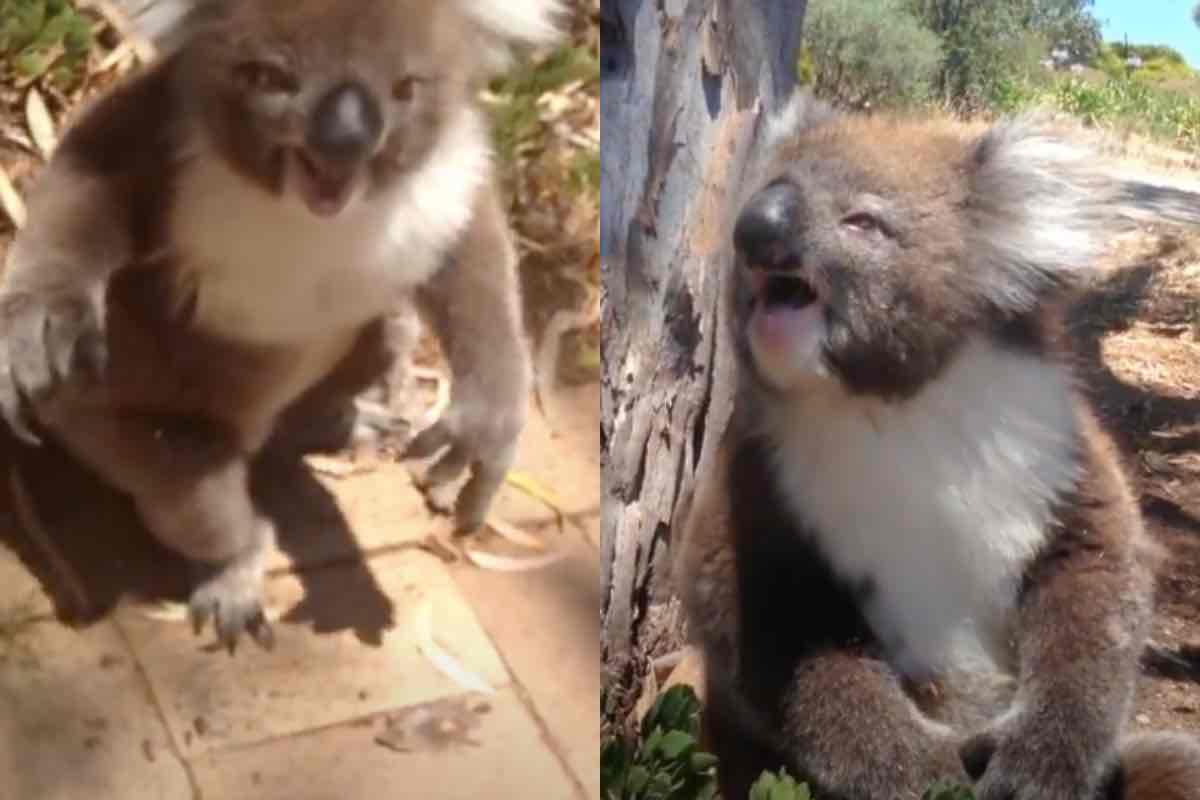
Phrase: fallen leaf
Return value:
(534, 488)
(41, 124)
(445, 663)
(506, 530)
(14, 206)
(491, 561)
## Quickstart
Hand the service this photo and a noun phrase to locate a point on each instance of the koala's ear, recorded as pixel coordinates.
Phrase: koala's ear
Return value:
(168, 25)
(802, 112)
(1040, 208)
(509, 26)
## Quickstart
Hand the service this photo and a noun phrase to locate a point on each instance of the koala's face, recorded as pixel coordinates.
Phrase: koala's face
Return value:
(327, 100)
(874, 248)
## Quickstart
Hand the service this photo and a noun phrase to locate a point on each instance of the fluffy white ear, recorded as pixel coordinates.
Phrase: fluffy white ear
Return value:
(513, 24)
(1041, 207)
(801, 112)
(169, 23)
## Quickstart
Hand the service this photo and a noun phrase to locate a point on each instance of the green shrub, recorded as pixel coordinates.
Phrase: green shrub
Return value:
(665, 763)
(37, 36)
(869, 52)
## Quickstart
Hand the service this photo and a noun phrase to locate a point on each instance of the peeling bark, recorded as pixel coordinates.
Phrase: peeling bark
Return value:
(685, 86)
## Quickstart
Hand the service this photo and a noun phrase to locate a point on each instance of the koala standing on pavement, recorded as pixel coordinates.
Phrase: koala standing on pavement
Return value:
(213, 253)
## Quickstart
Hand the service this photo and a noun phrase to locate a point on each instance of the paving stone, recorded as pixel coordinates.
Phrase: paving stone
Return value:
(547, 627)
(325, 518)
(21, 594)
(78, 721)
(507, 758)
(346, 647)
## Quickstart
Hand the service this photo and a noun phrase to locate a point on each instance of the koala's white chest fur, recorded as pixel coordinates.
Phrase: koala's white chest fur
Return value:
(939, 503)
(269, 272)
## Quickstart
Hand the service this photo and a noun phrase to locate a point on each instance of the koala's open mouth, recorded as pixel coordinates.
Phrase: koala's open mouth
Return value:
(787, 291)
(326, 190)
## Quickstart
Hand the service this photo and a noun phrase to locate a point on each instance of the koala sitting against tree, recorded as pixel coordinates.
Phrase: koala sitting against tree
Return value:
(213, 254)
(915, 555)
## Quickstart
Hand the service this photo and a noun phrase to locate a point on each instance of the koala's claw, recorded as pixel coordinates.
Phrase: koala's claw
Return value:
(44, 342)
(233, 601)
(487, 470)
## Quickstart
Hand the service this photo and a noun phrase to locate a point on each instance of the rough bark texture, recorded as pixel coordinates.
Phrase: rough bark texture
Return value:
(685, 88)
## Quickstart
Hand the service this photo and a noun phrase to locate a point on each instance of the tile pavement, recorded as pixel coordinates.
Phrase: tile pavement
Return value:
(134, 706)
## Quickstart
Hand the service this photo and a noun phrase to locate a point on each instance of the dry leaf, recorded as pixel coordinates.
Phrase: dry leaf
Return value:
(445, 663)
(531, 486)
(512, 533)
(491, 561)
(41, 124)
(14, 206)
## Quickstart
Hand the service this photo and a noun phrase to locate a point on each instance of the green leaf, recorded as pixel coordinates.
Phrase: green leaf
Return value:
(781, 786)
(948, 790)
(676, 744)
(636, 779)
(702, 762)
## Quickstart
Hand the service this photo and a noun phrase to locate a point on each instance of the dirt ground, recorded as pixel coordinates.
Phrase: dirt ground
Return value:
(1137, 327)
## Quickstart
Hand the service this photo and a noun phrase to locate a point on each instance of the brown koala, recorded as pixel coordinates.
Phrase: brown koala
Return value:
(915, 555)
(219, 241)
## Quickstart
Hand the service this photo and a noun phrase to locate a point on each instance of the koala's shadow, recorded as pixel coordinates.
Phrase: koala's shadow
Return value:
(1138, 417)
(101, 553)
(1135, 415)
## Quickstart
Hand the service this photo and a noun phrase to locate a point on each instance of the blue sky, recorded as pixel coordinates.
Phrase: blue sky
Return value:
(1152, 22)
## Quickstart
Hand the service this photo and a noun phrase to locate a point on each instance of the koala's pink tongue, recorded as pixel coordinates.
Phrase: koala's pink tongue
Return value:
(325, 193)
(782, 325)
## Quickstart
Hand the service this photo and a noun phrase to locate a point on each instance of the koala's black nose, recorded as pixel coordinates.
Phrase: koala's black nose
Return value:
(345, 123)
(763, 230)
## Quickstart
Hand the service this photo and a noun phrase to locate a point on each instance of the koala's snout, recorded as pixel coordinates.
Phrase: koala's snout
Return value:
(345, 124)
(763, 233)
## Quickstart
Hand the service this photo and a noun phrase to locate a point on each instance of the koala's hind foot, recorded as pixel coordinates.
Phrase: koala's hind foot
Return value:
(190, 483)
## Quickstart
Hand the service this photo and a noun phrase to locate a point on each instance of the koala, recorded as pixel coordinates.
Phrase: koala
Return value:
(914, 555)
(216, 253)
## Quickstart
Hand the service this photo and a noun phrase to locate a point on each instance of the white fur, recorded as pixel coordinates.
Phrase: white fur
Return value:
(270, 272)
(1042, 207)
(940, 501)
(516, 22)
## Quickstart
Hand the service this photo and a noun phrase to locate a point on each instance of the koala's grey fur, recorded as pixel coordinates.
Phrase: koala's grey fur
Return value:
(212, 256)
(916, 555)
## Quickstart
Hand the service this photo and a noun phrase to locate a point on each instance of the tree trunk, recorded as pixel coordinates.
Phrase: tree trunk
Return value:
(685, 86)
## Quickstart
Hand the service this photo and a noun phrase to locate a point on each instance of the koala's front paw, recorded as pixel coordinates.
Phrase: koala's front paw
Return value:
(44, 340)
(1020, 762)
(474, 435)
(232, 596)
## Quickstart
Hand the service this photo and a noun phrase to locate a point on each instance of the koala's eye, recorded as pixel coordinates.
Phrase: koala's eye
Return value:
(863, 222)
(263, 76)
(404, 88)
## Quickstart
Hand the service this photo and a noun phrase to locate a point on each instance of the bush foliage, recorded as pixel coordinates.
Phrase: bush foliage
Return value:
(989, 58)
(664, 761)
(865, 53)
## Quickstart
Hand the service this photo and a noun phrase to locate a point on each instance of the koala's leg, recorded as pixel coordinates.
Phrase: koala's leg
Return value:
(473, 305)
(190, 483)
(853, 732)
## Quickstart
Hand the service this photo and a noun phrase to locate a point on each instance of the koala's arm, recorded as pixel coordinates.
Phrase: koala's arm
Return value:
(52, 293)
(1082, 624)
(80, 231)
(789, 670)
(473, 305)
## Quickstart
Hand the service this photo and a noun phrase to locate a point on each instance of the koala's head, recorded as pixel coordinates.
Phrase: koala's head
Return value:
(334, 99)
(876, 247)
